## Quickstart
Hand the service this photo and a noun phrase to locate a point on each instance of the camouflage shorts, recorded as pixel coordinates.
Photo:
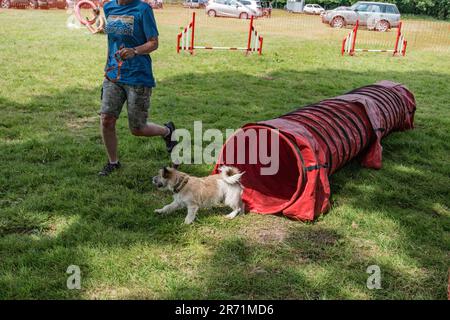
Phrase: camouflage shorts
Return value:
(114, 96)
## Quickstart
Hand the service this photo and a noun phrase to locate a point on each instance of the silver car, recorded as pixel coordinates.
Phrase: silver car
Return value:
(232, 8)
(375, 15)
(195, 3)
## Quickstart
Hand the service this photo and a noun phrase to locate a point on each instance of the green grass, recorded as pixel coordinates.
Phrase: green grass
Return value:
(55, 211)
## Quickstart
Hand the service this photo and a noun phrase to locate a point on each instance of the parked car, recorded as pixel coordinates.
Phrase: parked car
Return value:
(195, 3)
(375, 15)
(6, 4)
(47, 4)
(254, 5)
(313, 9)
(232, 8)
(155, 4)
(35, 4)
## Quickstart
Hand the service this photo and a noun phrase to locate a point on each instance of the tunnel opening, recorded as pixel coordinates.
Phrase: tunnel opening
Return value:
(268, 187)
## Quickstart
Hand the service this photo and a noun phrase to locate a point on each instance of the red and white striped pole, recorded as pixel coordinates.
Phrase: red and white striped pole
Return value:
(399, 33)
(405, 44)
(260, 45)
(192, 35)
(344, 42)
(250, 31)
(178, 42)
(355, 31)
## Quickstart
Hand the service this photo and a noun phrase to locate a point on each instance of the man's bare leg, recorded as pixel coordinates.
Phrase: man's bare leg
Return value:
(151, 130)
(108, 129)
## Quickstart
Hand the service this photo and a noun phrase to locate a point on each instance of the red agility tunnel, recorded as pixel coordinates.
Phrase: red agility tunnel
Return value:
(312, 143)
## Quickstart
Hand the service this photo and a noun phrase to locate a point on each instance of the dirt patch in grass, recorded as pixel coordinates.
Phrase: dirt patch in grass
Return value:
(76, 124)
(267, 230)
(321, 236)
(119, 293)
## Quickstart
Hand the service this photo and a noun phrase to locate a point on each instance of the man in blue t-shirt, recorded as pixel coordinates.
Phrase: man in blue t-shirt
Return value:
(132, 35)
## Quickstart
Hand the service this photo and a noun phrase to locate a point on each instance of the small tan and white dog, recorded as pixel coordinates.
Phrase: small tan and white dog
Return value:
(194, 193)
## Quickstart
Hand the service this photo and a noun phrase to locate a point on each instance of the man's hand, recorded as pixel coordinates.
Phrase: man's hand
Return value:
(150, 46)
(127, 53)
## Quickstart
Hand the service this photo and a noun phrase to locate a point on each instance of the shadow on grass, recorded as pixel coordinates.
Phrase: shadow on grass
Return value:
(316, 264)
(50, 183)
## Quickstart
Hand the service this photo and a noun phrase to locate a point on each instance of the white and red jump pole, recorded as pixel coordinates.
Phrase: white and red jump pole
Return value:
(186, 38)
(349, 43)
(400, 42)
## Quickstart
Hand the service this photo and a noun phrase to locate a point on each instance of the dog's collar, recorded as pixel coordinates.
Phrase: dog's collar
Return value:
(180, 184)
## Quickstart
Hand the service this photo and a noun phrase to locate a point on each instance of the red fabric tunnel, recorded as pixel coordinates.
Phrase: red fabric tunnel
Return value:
(314, 142)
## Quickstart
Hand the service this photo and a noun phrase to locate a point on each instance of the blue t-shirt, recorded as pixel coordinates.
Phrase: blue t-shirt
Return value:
(130, 25)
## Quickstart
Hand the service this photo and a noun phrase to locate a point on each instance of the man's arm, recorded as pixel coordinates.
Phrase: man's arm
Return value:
(150, 46)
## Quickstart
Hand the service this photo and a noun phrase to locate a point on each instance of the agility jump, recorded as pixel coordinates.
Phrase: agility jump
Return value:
(186, 40)
(349, 43)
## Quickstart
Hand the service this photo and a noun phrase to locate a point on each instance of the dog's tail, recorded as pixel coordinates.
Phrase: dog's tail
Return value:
(230, 175)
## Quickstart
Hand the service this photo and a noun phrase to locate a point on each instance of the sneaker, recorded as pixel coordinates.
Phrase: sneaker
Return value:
(109, 168)
(168, 139)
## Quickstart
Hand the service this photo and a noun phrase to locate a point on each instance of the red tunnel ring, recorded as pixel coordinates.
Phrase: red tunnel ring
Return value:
(78, 12)
(287, 145)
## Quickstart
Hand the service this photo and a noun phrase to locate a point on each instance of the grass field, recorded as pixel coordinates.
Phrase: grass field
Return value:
(56, 212)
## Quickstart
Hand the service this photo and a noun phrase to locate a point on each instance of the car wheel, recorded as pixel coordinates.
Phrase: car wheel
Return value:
(212, 13)
(243, 15)
(6, 4)
(382, 26)
(337, 22)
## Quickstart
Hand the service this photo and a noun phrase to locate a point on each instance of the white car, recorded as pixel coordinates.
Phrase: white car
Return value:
(255, 5)
(232, 8)
(313, 9)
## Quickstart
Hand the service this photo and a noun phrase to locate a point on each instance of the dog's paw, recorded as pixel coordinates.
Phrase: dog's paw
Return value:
(159, 211)
(189, 220)
(233, 214)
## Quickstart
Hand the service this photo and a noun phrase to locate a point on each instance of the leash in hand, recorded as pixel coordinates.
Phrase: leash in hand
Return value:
(120, 62)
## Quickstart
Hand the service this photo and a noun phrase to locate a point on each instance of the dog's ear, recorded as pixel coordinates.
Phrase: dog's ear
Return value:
(166, 172)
